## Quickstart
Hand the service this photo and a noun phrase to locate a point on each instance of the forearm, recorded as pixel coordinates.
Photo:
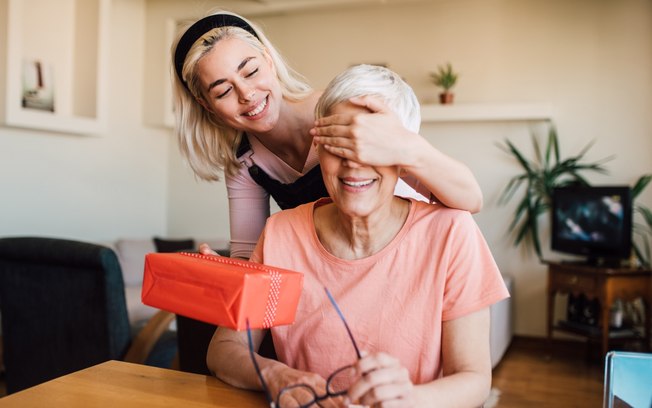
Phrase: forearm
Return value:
(230, 362)
(463, 389)
(450, 181)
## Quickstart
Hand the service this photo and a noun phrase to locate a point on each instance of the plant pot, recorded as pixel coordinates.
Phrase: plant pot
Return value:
(446, 98)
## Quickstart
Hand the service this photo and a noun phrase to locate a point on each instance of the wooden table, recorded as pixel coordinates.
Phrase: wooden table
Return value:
(604, 283)
(116, 384)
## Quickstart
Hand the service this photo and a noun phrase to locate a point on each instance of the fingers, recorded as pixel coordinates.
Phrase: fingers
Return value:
(383, 382)
(331, 120)
(205, 249)
(342, 152)
(295, 396)
(372, 103)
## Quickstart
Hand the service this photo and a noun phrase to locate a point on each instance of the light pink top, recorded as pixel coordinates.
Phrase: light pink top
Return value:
(437, 268)
(249, 203)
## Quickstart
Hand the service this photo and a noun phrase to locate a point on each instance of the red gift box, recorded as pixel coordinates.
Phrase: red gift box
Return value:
(220, 290)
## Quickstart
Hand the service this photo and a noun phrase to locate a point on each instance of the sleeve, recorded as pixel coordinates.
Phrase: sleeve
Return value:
(409, 186)
(473, 280)
(257, 254)
(248, 211)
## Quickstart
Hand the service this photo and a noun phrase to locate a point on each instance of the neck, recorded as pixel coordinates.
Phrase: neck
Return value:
(360, 237)
(290, 138)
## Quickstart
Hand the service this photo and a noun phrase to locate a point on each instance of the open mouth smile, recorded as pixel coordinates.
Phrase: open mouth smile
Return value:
(258, 109)
(352, 184)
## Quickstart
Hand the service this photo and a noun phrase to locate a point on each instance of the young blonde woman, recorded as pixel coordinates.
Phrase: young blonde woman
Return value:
(241, 110)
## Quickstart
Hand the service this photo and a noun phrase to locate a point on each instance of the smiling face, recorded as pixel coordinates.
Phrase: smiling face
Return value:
(357, 190)
(240, 86)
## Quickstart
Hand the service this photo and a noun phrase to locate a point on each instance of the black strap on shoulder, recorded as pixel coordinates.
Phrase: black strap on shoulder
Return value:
(307, 188)
(243, 147)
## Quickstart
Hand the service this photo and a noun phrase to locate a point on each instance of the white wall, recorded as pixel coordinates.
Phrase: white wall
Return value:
(98, 187)
(591, 59)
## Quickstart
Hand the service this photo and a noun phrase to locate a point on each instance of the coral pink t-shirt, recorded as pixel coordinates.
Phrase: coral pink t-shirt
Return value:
(249, 202)
(437, 268)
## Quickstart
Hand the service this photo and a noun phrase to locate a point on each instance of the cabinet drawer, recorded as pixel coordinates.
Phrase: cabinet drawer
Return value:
(574, 282)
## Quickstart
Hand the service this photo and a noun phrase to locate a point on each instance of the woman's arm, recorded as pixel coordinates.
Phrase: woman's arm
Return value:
(228, 358)
(381, 139)
(466, 365)
(248, 211)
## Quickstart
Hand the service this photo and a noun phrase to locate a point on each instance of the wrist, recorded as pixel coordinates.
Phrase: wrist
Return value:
(415, 152)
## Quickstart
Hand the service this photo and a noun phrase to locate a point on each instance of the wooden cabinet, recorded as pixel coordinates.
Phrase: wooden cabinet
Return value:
(603, 283)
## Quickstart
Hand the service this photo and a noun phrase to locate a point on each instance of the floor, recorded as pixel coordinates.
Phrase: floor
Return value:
(531, 376)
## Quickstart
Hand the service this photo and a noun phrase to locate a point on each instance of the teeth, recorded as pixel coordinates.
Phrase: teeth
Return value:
(258, 109)
(357, 183)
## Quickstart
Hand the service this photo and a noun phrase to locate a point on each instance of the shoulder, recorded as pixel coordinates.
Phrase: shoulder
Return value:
(241, 179)
(441, 214)
(291, 215)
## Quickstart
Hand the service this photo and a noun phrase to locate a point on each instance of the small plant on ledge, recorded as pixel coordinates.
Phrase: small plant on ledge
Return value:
(446, 79)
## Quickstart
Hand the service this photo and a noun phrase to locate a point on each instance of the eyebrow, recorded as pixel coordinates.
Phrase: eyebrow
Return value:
(220, 81)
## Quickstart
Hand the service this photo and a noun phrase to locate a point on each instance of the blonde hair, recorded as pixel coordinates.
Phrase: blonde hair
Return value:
(363, 80)
(208, 145)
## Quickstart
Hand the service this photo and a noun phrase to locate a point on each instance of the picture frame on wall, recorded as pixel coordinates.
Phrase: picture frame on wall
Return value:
(38, 85)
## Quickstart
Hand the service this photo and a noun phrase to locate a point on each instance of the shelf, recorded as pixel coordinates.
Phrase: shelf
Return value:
(56, 81)
(467, 112)
(595, 331)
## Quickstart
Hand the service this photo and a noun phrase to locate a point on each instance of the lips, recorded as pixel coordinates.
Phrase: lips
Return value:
(257, 109)
(357, 184)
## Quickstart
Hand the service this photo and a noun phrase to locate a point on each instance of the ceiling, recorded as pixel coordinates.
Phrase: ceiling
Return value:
(265, 7)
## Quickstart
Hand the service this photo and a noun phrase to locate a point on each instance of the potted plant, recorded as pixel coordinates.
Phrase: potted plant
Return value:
(642, 230)
(445, 78)
(539, 177)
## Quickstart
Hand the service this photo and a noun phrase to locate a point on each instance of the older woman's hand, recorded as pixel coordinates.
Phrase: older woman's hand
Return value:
(383, 383)
(377, 138)
(281, 377)
(205, 249)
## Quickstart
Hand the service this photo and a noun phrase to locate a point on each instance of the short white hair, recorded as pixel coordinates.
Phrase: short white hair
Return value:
(373, 80)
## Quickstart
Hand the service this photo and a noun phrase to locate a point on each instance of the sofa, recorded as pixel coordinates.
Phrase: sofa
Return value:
(131, 254)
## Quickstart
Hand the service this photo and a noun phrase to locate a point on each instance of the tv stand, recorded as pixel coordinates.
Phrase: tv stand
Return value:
(604, 283)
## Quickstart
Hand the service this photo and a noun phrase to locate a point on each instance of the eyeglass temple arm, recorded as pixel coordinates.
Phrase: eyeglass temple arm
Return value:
(260, 375)
(346, 325)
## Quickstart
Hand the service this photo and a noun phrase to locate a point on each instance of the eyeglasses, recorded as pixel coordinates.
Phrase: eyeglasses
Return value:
(336, 384)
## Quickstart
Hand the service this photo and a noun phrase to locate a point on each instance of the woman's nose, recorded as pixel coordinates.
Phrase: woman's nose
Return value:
(351, 163)
(246, 94)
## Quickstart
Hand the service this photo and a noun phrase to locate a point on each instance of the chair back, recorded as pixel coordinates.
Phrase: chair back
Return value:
(63, 308)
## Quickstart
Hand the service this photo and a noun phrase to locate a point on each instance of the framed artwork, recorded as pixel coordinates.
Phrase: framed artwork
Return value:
(38, 85)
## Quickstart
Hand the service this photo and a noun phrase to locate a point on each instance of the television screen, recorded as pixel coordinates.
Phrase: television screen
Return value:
(595, 222)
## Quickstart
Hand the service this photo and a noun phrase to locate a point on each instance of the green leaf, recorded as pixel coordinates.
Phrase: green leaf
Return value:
(640, 185)
(537, 181)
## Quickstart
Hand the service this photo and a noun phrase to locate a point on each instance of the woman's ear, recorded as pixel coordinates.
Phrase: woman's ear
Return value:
(203, 103)
(269, 60)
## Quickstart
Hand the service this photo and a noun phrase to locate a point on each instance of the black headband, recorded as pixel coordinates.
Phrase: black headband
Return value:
(200, 28)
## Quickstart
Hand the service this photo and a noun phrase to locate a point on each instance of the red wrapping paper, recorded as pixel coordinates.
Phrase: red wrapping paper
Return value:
(220, 290)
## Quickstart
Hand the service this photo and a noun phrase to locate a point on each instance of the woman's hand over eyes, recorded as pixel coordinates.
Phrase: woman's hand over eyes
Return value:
(375, 136)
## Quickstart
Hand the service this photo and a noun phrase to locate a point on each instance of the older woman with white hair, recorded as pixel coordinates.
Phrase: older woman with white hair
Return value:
(414, 281)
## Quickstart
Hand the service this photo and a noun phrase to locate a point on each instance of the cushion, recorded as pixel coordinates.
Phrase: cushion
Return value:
(131, 253)
(174, 245)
